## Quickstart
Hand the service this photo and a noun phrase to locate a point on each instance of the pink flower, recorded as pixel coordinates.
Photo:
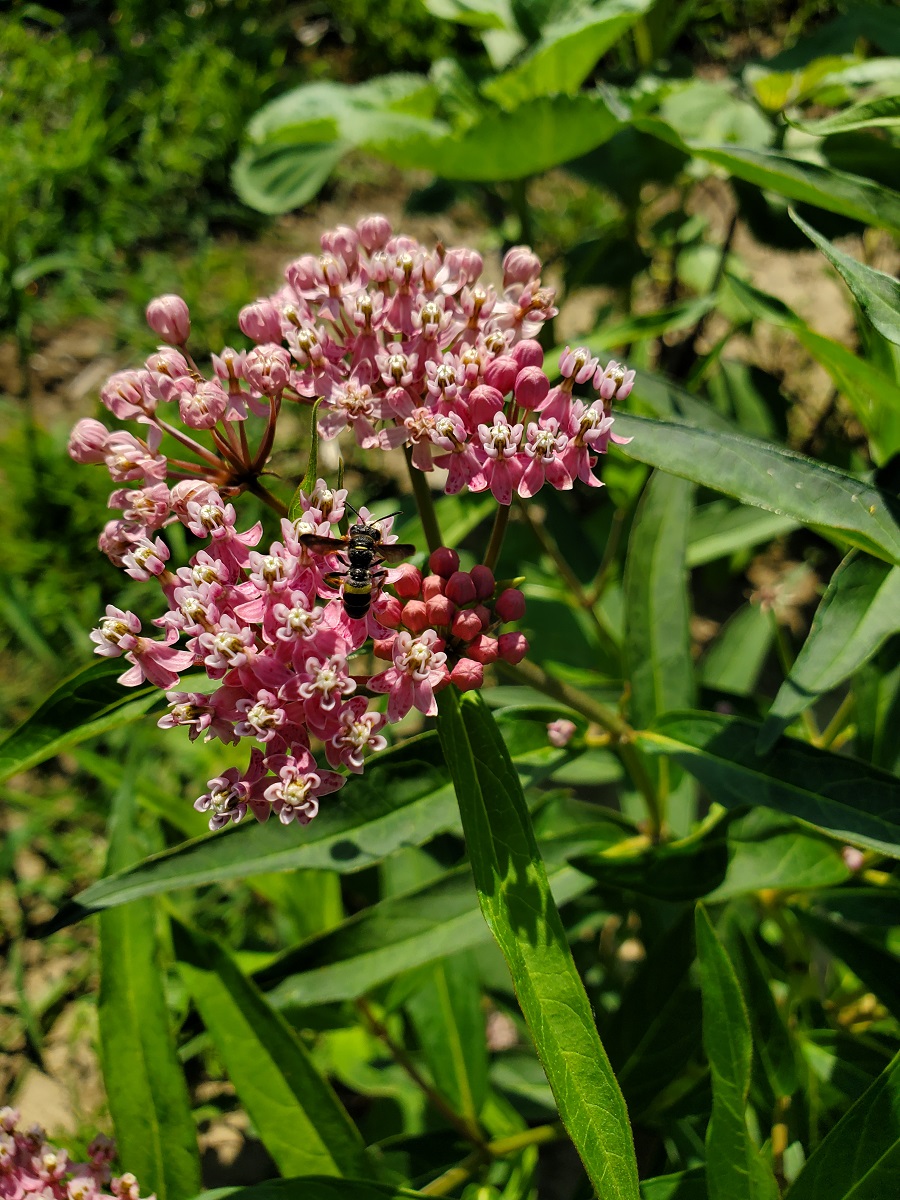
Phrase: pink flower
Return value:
(169, 318)
(544, 446)
(357, 731)
(502, 471)
(295, 795)
(87, 441)
(419, 667)
(559, 732)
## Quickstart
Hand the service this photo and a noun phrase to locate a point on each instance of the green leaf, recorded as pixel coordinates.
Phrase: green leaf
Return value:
(276, 178)
(447, 1016)
(536, 136)
(881, 113)
(878, 968)
(657, 638)
(860, 1158)
(684, 1185)
(877, 294)
(643, 327)
(393, 936)
(479, 14)
(301, 1122)
(145, 1086)
(770, 477)
(734, 1165)
(518, 907)
(849, 799)
(307, 484)
(858, 612)
(314, 1187)
(565, 55)
(774, 1046)
(734, 661)
(87, 704)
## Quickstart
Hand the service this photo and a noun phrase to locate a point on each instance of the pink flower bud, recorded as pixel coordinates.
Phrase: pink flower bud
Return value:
(520, 265)
(467, 674)
(854, 859)
(532, 386)
(268, 368)
(484, 401)
(342, 242)
(303, 272)
(261, 321)
(390, 612)
(384, 648)
(510, 605)
(87, 441)
(415, 617)
(483, 578)
(440, 610)
(484, 615)
(559, 733)
(466, 625)
(433, 585)
(512, 647)
(501, 373)
(408, 583)
(169, 318)
(374, 231)
(483, 649)
(460, 588)
(528, 353)
(205, 407)
(444, 562)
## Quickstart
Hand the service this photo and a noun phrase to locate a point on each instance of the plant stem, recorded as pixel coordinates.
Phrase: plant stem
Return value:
(622, 733)
(501, 1148)
(464, 1127)
(595, 591)
(260, 490)
(836, 725)
(786, 661)
(424, 503)
(501, 520)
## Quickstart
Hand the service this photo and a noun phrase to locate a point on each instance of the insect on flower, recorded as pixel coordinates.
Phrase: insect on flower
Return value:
(364, 551)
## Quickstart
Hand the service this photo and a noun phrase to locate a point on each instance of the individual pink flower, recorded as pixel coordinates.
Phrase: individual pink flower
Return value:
(544, 447)
(501, 471)
(169, 318)
(87, 441)
(560, 732)
(418, 668)
(614, 382)
(231, 792)
(357, 731)
(295, 794)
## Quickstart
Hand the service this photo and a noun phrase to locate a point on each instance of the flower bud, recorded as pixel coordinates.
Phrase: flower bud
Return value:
(390, 612)
(484, 615)
(528, 353)
(501, 373)
(383, 648)
(510, 605)
(483, 649)
(374, 231)
(520, 265)
(466, 625)
(87, 441)
(433, 585)
(343, 243)
(169, 318)
(408, 583)
(483, 578)
(444, 561)
(559, 732)
(261, 321)
(205, 406)
(123, 394)
(302, 274)
(484, 401)
(268, 368)
(439, 610)
(512, 647)
(460, 588)
(532, 386)
(415, 617)
(467, 674)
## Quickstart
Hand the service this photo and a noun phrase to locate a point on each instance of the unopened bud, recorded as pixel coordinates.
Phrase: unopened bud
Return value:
(440, 610)
(415, 617)
(512, 647)
(383, 648)
(501, 373)
(169, 318)
(433, 585)
(444, 561)
(408, 583)
(559, 732)
(467, 674)
(87, 441)
(466, 625)
(261, 321)
(532, 386)
(460, 588)
(483, 578)
(390, 612)
(483, 649)
(374, 231)
(510, 605)
(528, 353)
(520, 265)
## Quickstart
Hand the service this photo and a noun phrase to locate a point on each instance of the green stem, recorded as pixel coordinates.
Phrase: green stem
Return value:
(786, 661)
(259, 489)
(501, 520)
(424, 503)
(501, 1148)
(837, 723)
(622, 733)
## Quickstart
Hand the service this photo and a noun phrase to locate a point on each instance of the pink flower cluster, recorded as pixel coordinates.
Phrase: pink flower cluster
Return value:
(31, 1166)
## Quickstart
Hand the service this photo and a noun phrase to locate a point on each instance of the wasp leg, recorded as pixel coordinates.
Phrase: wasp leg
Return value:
(334, 578)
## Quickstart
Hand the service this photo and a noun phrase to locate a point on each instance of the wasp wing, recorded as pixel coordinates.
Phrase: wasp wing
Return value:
(396, 552)
(323, 545)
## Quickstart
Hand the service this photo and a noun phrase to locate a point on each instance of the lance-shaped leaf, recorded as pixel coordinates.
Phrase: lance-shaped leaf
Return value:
(393, 936)
(858, 612)
(770, 477)
(657, 638)
(881, 113)
(847, 798)
(87, 704)
(877, 294)
(860, 1158)
(515, 899)
(144, 1081)
(301, 1122)
(684, 1185)
(734, 1165)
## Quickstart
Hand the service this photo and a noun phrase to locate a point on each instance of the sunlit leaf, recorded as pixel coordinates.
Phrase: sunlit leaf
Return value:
(881, 112)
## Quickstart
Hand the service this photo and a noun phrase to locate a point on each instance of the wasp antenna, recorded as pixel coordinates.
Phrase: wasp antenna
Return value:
(347, 504)
(398, 513)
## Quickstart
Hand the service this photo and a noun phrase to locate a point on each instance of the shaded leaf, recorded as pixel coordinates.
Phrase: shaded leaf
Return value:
(313, 1187)
(877, 967)
(734, 661)
(518, 907)
(684, 1185)
(882, 112)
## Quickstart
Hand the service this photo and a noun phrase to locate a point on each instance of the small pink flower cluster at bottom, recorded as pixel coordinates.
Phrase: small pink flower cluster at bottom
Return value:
(31, 1166)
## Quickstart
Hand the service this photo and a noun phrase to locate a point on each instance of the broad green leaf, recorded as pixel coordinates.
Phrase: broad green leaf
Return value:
(446, 1013)
(86, 705)
(761, 850)
(860, 1158)
(877, 294)
(858, 612)
(565, 55)
(847, 798)
(883, 112)
(734, 1164)
(644, 326)
(315, 1187)
(301, 1122)
(684, 1185)
(479, 14)
(536, 136)
(877, 967)
(657, 638)
(770, 477)
(145, 1086)
(797, 179)
(393, 936)
(734, 661)
(276, 178)
(518, 907)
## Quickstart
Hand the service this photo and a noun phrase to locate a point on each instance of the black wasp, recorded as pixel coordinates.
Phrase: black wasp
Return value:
(365, 552)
